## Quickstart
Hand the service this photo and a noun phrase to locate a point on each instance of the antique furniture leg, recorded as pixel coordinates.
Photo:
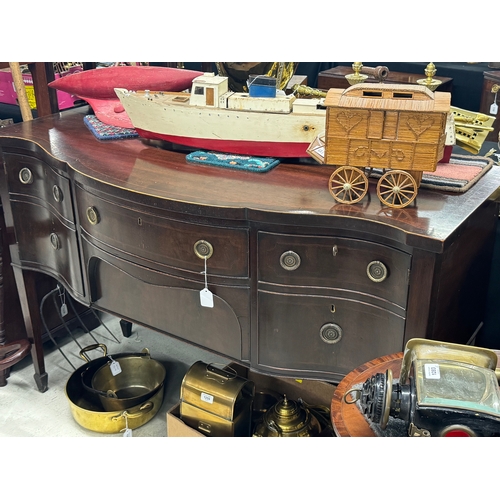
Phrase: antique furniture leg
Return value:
(25, 281)
(13, 352)
(126, 327)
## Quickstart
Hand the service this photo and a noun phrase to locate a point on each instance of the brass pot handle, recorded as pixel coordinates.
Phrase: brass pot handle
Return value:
(145, 408)
(83, 352)
(203, 249)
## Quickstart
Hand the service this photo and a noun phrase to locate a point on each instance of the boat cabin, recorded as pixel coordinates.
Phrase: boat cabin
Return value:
(207, 89)
(211, 90)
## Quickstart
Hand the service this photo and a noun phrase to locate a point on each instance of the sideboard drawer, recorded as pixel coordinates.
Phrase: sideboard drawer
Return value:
(163, 240)
(32, 178)
(330, 262)
(323, 336)
(46, 243)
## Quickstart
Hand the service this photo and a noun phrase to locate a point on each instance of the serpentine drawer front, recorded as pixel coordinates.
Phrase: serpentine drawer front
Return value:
(44, 220)
(339, 263)
(322, 335)
(33, 179)
(159, 239)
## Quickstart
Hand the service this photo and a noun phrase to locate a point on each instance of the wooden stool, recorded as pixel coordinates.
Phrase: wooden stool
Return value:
(10, 354)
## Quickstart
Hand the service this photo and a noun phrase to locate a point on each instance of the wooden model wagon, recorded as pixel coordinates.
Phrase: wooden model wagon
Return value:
(399, 129)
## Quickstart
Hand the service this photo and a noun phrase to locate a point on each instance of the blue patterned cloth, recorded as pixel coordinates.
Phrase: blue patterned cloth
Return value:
(239, 162)
(108, 132)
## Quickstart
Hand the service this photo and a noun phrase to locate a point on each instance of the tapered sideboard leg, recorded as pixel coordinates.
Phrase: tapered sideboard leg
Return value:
(25, 281)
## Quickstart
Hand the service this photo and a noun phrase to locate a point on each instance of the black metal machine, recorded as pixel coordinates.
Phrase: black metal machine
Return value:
(443, 390)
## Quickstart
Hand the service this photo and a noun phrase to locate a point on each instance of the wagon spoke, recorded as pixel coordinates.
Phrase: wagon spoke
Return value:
(348, 185)
(397, 189)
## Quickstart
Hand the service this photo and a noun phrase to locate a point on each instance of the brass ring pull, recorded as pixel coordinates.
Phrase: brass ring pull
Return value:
(331, 333)
(57, 193)
(203, 249)
(54, 241)
(290, 260)
(377, 271)
(25, 176)
(93, 215)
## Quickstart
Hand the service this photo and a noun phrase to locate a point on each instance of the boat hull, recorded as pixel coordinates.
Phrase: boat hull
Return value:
(251, 148)
(282, 135)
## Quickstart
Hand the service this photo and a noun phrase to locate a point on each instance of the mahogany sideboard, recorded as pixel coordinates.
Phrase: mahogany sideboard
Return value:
(302, 286)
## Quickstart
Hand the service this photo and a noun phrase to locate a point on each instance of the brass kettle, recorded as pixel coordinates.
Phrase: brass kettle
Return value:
(288, 418)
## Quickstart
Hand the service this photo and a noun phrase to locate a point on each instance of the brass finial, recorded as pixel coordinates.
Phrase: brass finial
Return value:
(429, 82)
(356, 77)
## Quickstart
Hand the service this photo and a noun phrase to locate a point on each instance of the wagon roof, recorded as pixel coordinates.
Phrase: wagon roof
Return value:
(389, 96)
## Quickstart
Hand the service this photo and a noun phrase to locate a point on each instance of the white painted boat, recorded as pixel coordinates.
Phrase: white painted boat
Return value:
(211, 117)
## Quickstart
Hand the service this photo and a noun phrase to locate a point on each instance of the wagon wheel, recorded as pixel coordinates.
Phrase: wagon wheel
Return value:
(396, 189)
(348, 185)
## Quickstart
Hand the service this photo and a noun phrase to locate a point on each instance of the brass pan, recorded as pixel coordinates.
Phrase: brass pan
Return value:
(88, 412)
(139, 379)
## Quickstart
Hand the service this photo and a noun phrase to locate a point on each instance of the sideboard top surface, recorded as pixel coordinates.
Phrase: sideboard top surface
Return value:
(290, 193)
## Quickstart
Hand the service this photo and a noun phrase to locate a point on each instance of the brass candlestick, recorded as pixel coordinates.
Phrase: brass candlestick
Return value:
(429, 82)
(356, 77)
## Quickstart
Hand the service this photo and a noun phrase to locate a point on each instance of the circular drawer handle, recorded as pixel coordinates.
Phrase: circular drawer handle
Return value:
(203, 249)
(290, 260)
(54, 241)
(25, 175)
(331, 333)
(57, 193)
(93, 215)
(377, 271)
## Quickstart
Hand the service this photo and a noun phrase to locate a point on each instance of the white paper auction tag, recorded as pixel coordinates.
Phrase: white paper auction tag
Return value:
(432, 371)
(207, 398)
(206, 298)
(115, 367)
(494, 108)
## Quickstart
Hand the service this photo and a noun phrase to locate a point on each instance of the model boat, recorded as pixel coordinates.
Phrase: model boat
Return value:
(96, 86)
(262, 122)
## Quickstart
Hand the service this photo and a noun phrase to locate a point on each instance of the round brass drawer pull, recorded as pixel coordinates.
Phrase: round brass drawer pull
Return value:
(203, 249)
(290, 260)
(57, 193)
(93, 215)
(377, 271)
(331, 333)
(25, 176)
(54, 241)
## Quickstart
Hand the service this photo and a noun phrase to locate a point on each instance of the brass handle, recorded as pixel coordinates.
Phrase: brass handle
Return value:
(93, 215)
(54, 241)
(377, 271)
(203, 249)
(25, 176)
(331, 333)
(57, 193)
(495, 88)
(290, 260)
